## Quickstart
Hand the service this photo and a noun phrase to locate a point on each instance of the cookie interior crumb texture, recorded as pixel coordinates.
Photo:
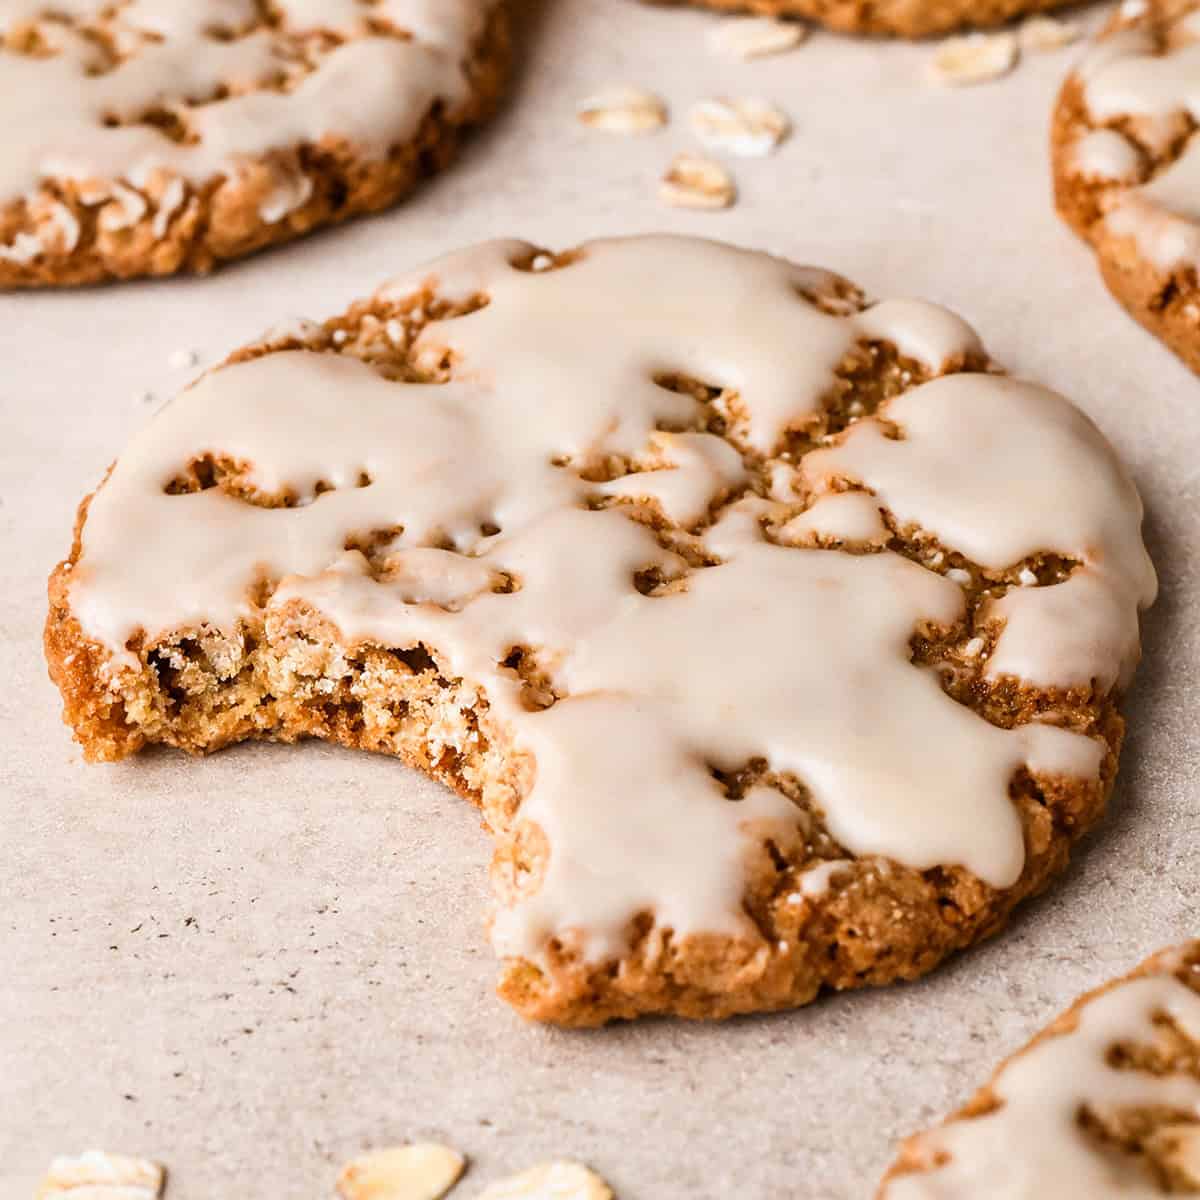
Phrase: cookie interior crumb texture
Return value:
(900, 18)
(1127, 164)
(1103, 1104)
(146, 138)
(671, 557)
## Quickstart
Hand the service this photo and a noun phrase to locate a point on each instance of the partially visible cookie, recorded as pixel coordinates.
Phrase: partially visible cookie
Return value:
(899, 18)
(155, 136)
(1102, 1105)
(1127, 164)
(779, 638)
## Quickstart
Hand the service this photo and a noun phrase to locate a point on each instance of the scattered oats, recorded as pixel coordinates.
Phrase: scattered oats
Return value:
(1132, 9)
(542, 262)
(1041, 32)
(425, 1171)
(96, 1175)
(783, 947)
(748, 127)
(551, 1181)
(1026, 577)
(796, 898)
(936, 559)
(754, 37)
(975, 647)
(339, 337)
(958, 575)
(395, 332)
(623, 109)
(180, 359)
(974, 58)
(695, 182)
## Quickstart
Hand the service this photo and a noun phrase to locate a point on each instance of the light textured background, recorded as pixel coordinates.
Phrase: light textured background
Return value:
(255, 966)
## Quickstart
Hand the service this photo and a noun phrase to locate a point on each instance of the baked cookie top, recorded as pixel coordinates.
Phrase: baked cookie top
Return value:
(1129, 145)
(1103, 1104)
(726, 549)
(141, 109)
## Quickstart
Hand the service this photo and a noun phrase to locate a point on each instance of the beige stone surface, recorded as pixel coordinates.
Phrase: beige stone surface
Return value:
(254, 967)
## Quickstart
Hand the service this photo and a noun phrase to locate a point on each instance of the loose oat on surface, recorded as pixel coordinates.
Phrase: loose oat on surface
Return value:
(423, 1171)
(744, 126)
(551, 1181)
(623, 109)
(695, 182)
(756, 37)
(973, 58)
(97, 1175)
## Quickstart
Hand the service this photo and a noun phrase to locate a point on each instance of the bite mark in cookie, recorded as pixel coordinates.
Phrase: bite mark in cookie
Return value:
(1127, 164)
(675, 558)
(153, 136)
(1103, 1104)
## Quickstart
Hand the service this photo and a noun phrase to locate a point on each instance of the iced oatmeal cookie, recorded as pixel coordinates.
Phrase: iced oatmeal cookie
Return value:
(145, 137)
(778, 636)
(1104, 1104)
(1127, 164)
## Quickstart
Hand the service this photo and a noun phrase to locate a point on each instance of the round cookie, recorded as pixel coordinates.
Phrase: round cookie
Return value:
(153, 136)
(1104, 1104)
(1127, 164)
(899, 18)
(778, 636)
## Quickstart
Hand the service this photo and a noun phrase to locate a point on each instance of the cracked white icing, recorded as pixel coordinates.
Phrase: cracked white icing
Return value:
(1129, 76)
(798, 656)
(1033, 1144)
(371, 89)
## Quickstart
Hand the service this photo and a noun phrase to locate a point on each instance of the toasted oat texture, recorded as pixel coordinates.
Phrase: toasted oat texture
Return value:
(1104, 1104)
(681, 637)
(1127, 164)
(423, 1171)
(148, 137)
(900, 18)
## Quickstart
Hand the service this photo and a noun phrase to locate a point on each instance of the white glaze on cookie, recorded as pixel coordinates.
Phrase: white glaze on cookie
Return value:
(1127, 78)
(799, 656)
(370, 91)
(1033, 1145)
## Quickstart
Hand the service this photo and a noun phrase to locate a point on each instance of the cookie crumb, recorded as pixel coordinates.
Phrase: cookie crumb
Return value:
(180, 359)
(423, 1171)
(747, 127)
(695, 182)
(623, 109)
(756, 37)
(97, 1175)
(1040, 32)
(551, 1181)
(973, 58)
